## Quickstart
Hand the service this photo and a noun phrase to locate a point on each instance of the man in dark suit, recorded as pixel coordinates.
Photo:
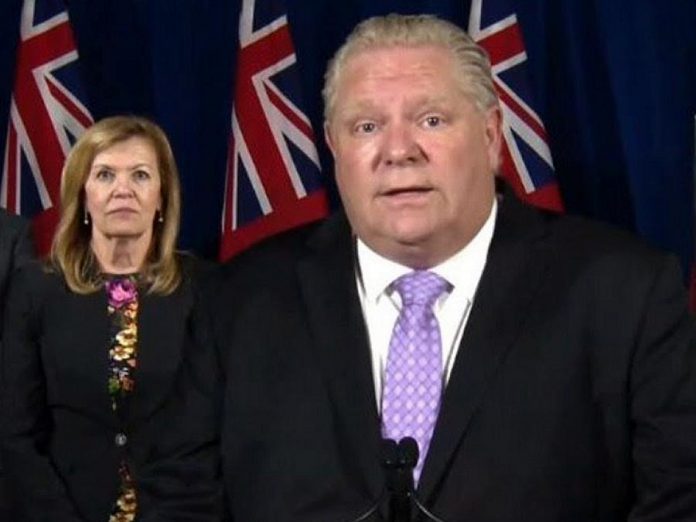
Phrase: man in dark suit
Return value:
(16, 247)
(550, 374)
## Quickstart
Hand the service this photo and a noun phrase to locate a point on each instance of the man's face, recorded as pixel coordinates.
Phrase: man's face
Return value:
(415, 158)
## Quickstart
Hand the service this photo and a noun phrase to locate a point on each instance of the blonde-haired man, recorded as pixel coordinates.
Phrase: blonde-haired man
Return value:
(544, 365)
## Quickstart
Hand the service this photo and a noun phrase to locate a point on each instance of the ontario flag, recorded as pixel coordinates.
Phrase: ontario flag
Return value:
(273, 179)
(526, 158)
(46, 116)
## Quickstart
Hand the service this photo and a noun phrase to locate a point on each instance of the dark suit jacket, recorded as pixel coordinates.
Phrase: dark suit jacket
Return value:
(573, 396)
(16, 248)
(61, 445)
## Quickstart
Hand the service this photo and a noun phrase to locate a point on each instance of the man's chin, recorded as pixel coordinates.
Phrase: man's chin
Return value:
(413, 250)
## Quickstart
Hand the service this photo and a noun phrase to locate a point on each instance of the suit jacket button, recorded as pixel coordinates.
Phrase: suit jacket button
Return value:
(120, 439)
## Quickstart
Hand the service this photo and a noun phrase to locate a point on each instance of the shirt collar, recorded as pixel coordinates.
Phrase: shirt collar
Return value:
(462, 270)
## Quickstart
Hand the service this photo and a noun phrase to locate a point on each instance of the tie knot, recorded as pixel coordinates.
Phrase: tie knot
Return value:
(420, 287)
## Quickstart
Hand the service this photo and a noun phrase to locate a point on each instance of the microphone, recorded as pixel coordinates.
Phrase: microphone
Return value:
(398, 461)
(400, 483)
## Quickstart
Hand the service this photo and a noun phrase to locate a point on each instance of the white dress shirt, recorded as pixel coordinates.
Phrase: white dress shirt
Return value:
(381, 303)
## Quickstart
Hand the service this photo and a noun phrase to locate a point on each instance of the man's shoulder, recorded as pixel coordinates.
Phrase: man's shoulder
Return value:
(276, 258)
(571, 232)
(38, 279)
(12, 222)
(591, 246)
(584, 243)
(16, 237)
(578, 234)
(284, 248)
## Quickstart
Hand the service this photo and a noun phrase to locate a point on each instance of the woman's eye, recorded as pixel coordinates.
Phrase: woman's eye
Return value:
(141, 175)
(104, 175)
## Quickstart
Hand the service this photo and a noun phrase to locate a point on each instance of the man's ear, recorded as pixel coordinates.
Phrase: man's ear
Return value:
(328, 137)
(494, 136)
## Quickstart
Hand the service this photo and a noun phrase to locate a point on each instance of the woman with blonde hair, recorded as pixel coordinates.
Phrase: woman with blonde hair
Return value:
(108, 392)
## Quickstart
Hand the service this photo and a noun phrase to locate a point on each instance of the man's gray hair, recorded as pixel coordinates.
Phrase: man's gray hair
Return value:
(394, 30)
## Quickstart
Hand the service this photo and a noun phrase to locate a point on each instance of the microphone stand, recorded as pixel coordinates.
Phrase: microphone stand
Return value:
(389, 456)
(398, 461)
(373, 509)
(400, 484)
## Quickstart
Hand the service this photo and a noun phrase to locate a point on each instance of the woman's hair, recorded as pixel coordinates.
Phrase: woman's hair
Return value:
(71, 252)
(471, 61)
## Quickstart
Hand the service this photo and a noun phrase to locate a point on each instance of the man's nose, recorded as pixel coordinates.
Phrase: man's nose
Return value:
(401, 146)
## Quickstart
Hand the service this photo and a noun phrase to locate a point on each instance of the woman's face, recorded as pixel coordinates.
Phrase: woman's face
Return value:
(123, 190)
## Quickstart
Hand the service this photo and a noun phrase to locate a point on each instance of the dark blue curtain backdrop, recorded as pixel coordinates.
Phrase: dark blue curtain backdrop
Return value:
(615, 83)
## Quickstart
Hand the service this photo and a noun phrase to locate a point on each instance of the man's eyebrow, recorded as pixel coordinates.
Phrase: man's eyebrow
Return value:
(427, 100)
(357, 107)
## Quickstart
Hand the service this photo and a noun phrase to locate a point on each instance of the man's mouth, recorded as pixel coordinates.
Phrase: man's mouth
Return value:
(407, 191)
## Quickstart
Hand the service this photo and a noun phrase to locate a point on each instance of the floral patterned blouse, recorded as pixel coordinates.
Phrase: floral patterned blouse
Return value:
(122, 293)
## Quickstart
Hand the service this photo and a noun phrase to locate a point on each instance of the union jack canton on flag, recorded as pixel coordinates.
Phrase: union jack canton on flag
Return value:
(526, 158)
(46, 116)
(273, 180)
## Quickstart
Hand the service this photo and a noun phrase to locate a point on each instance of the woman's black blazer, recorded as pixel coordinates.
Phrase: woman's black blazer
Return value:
(62, 443)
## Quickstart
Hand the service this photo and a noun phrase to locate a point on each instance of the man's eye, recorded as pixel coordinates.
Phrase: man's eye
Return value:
(432, 121)
(366, 127)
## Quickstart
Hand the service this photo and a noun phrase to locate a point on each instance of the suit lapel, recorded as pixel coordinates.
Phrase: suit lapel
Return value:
(162, 330)
(327, 279)
(508, 283)
(77, 347)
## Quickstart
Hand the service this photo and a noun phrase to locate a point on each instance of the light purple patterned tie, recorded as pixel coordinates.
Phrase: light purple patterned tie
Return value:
(413, 378)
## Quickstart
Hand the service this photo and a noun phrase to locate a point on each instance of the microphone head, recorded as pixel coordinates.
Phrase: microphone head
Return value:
(408, 452)
(390, 454)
